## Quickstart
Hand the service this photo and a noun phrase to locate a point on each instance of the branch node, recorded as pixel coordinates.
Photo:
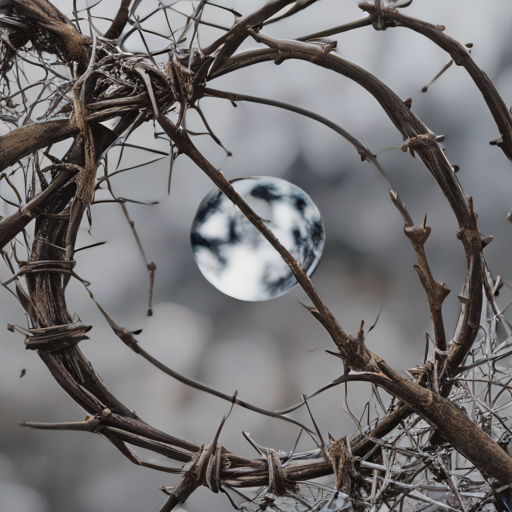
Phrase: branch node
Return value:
(338, 455)
(55, 337)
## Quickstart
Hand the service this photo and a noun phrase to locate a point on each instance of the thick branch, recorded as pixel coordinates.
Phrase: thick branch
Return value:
(73, 46)
(24, 141)
(119, 22)
(47, 289)
(231, 40)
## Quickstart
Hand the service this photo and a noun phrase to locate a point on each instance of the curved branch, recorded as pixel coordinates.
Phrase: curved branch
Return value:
(458, 429)
(120, 21)
(130, 341)
(72, 45)
(421, 140)
(75, 374)
(409, 125)
(363, 151)
(461, 57)
(231, 40)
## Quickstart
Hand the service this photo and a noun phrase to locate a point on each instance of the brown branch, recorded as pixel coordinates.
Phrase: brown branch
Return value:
(119, 22)
(73, 46)
(128, 338)
(86, 179)
(473, 243)
(24, 141)
(27, 139)
(421, 140)
(75, 374)
(363, 151)
(68, 366)
(458, 428)
(231, 40)
(461, 57)
(436, 292)
(15, 223)
(360, 359)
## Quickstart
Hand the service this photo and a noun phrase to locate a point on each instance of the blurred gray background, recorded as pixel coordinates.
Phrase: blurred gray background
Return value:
(270, 352)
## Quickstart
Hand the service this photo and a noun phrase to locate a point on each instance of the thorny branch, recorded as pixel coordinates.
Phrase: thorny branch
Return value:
(394, 18)
(108, 84)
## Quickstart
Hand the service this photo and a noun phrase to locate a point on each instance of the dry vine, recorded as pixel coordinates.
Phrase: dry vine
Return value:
(444, 440)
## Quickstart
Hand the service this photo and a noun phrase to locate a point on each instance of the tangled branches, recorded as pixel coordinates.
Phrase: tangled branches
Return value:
(442, 441)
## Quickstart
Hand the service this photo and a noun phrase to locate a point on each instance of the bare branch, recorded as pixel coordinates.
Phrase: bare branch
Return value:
(25, 140)
(119, 22)
(461, 57)
(429, 405)
(421, 140)
(231, 40)
(436, 292)
(365, 153)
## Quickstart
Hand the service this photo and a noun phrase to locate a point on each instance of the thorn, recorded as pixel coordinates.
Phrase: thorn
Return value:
(361, 328)
(10, 327)
(312, 310)
(425, 89)
(337, 354)
(442, 28)
(23, 372)
(377, 319)
(509, 217)
(455, 168)
(408, 103)
(469, 45)
(486, 240)
(425, 222)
